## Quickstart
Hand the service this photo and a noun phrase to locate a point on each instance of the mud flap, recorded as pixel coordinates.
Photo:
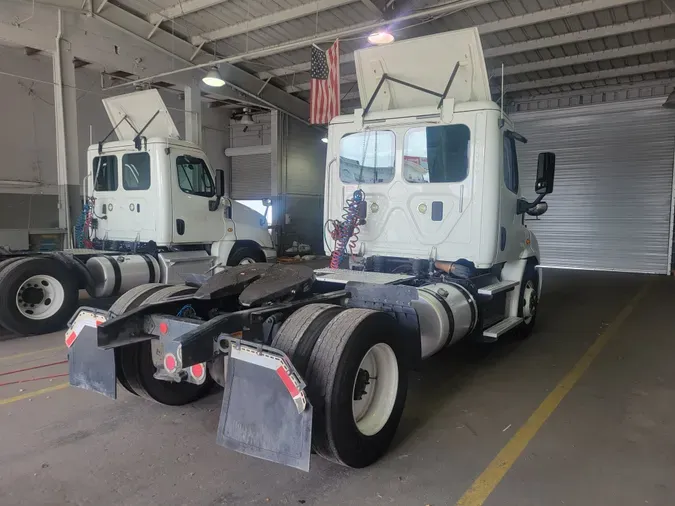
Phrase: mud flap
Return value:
(265, 412)
(90, 367)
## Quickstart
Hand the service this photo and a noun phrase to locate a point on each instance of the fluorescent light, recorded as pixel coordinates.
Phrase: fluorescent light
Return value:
(324, 140)
(213, 78)
(380, 38)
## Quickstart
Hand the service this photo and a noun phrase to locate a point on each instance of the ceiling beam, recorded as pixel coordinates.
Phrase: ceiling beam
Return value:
(372, 7)
(584, 7)
(573, 37)
(576, 59)
(525, 97)
(545, 15)
(590, 76)
(182, 9)
(537, 66)
(348, 78)
(275, 18)
(237, 79)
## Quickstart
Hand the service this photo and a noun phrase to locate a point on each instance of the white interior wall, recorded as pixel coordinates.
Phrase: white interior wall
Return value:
(28, 137)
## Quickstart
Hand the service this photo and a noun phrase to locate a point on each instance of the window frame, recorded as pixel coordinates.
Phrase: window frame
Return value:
(468, 153)
(116, 172)
(512, 167)
(124, 184)
(394, 144)
(208, 172)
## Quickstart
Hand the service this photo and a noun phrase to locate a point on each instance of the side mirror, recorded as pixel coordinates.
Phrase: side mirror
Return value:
(538, 209)
(220, 183)
(545, 173)
(267, 202)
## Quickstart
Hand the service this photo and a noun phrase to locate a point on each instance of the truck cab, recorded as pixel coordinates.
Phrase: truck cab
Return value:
(150, 185)
(439, 171)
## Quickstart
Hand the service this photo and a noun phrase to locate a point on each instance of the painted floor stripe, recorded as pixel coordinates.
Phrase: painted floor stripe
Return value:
(29, 353)
(28, 395)
(489, 479)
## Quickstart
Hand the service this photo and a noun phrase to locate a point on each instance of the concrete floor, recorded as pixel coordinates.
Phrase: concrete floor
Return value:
(610, 441)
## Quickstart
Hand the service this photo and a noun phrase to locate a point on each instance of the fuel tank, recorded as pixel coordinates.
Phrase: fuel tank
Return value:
(447, 312)
(114, 275)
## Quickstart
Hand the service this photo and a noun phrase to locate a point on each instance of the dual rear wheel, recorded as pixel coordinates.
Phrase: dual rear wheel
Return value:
(353, 363)
(135, 365)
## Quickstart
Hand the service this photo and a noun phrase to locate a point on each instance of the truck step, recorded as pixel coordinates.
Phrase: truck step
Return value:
(496, 288)
(502, 327)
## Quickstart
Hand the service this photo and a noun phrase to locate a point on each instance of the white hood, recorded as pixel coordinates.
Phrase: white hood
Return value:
(139, 108)
(427, 62)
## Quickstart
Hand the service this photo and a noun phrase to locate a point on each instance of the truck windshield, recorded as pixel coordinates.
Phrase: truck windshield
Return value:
(438, 154)
(367, 157)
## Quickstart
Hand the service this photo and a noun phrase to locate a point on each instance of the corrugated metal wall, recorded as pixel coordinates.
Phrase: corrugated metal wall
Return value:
(251, 176)
(612, 199)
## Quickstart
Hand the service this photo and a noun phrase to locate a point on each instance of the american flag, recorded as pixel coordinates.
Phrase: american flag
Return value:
(324, 98)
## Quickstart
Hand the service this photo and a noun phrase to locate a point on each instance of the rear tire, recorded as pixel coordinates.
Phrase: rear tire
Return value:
(126, 302)
(335, 380)
(139, 369)
(37, 295)
(245, 255)
(300, 332)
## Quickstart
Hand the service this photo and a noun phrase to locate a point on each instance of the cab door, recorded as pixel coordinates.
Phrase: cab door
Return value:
(511, 230)
(192, 189)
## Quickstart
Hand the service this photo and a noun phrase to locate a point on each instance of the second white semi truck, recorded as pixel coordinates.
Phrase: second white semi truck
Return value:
(155, 210)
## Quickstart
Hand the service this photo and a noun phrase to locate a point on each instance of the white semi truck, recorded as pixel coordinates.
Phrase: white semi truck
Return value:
(155, 211)
(424, 208)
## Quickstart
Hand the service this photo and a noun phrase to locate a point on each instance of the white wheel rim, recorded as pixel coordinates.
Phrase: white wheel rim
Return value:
(40, 297)
(371, 409)
(246, 261)
(529, 301)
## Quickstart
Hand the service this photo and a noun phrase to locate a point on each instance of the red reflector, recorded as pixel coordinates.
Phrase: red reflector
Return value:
(197, 371)
(163, 328)
(288, 382)
(170, 362)
(70, 339)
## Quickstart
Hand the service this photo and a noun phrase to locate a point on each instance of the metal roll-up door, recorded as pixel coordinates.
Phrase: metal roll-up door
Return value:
(251, 176)
(612, 199)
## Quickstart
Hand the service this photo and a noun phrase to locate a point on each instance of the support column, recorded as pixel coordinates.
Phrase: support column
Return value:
(193, 114)
(277, 177)
(65, 109)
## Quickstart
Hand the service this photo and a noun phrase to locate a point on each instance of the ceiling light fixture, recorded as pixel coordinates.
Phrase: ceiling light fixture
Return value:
(324, 140)
(381, 38)
(213, 78)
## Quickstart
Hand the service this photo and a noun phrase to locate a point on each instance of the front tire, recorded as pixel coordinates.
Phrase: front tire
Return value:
(528, 301)
(242, 255)
(37, 295)
(357, 384)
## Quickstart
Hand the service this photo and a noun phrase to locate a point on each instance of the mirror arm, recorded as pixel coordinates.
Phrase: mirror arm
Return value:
(524, 205)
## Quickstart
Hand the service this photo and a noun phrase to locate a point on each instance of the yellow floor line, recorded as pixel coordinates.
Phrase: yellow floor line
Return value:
(27, 395)
(489, 479)
(29, 353)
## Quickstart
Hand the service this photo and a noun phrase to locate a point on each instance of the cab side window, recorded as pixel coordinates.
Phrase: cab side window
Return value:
(510, 164)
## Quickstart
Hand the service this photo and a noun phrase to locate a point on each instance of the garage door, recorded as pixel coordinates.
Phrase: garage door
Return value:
(251, 176)
(612, 199)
